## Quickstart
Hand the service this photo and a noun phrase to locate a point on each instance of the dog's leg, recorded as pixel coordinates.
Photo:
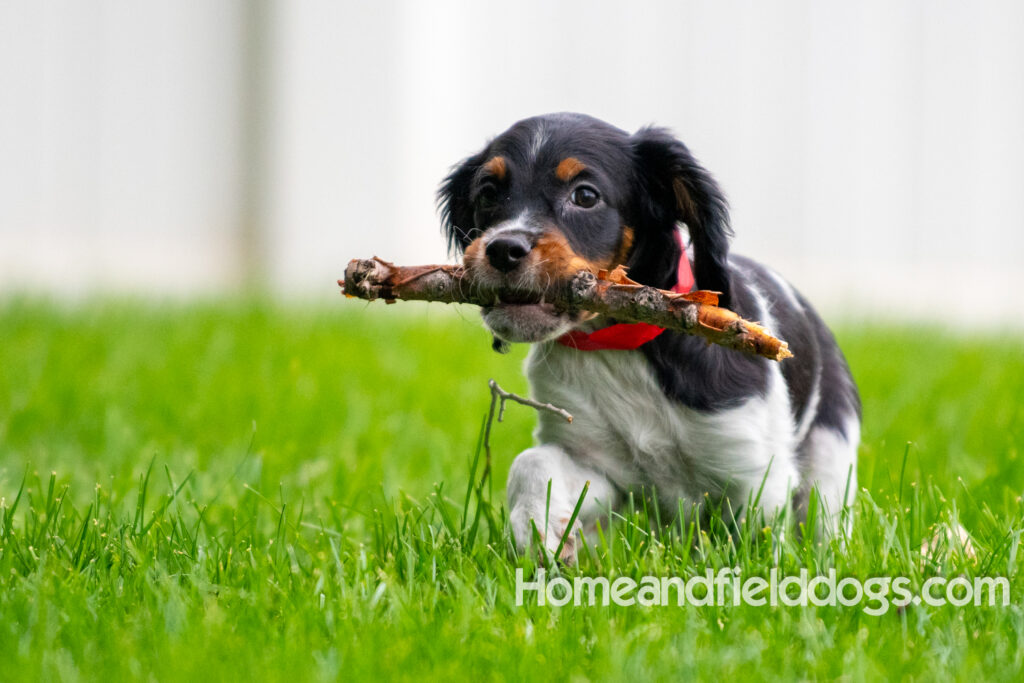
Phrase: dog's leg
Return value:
(832, 471)
(764, 499)
(530, 506)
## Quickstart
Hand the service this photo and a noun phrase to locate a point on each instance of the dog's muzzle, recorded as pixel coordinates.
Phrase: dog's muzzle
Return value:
(507, 258)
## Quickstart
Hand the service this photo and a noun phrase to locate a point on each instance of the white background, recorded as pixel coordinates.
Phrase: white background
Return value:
(873, 152)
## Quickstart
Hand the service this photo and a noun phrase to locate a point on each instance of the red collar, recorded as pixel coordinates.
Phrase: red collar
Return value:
(629, 336)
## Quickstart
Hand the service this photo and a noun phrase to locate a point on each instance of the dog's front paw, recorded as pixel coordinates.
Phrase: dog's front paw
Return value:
(527, 526)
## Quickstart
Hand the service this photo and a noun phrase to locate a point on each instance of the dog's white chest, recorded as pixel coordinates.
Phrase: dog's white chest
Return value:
(625, 427)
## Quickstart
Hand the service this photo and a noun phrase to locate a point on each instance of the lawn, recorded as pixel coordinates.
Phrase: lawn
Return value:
(235, 490)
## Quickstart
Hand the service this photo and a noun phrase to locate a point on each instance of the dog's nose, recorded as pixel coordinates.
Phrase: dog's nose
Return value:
(506, 252)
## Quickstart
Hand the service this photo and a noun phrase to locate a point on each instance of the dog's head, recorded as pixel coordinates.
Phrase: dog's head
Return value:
(559, 193)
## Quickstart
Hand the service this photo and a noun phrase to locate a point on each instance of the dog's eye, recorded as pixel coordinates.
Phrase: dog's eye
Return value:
(487, 197)
(584, 197)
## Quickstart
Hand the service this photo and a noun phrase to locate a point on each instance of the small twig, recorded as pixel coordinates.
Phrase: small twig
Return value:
(498, 398)
(416, 276)
(498, 392)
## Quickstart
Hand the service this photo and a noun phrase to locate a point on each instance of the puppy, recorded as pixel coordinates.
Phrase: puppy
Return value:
(655, 412)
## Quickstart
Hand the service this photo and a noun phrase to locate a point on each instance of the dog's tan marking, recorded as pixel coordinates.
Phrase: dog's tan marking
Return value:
(625, 244)
(474, 257)
(557, 260)
(497, 167)
(569, 168)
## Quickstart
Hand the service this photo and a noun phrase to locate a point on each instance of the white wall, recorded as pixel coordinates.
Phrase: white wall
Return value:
(117, 159)
(872, 151)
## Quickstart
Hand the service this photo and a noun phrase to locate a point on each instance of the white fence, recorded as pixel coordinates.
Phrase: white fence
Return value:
(873, 152)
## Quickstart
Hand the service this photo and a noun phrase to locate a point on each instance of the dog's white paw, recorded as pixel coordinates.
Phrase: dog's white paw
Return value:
(524, 522)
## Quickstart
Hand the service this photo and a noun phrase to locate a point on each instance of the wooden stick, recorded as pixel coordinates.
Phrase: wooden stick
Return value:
(610, 294)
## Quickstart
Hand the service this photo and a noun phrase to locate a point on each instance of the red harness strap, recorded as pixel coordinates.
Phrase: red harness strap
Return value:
(629, 336)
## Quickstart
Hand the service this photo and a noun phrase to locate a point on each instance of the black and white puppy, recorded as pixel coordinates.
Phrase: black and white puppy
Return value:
(692, 422)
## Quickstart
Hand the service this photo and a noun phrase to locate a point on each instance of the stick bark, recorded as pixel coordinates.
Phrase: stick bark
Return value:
(609, 294)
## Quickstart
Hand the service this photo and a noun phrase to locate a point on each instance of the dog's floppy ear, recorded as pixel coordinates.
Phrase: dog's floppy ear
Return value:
(454, 206)
(676, 188)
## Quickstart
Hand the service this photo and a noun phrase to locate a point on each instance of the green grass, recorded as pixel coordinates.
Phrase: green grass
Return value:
(233, 490)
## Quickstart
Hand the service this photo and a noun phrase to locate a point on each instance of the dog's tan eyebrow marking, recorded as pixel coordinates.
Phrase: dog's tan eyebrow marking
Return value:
(496, 166)
(569, 168)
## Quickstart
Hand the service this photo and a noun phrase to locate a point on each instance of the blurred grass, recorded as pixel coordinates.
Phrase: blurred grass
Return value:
(321, 458)
(336, 401)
